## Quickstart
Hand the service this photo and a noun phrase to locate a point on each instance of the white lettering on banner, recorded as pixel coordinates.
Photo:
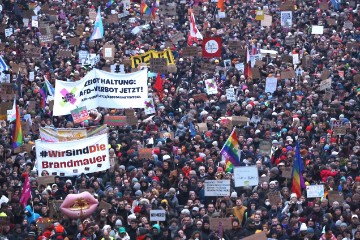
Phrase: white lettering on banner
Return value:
(230, 94)
(214, 188)
(271, 84)
(246, 176)
(157, 215)
(314, 191)
(101, 89)
(73, 157)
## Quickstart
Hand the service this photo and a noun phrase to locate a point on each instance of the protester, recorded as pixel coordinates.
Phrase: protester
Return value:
(284, 88)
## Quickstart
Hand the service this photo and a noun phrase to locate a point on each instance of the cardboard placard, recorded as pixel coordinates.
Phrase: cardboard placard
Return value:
(168, 21)
(25, 127)
(339, 130)
(331, 21)
(34, 52)
(202, 127)
(172, 68)
(325, 74)
(287, 58)
(286, 172)
(225, 20)
(189, 51)
(232, 44)
(240, 120)
(104, 205)
(31, 105)
(65, 53)
(259, 63)
(119, 121)
(256, 73)
(307, 62)
(197, 10)
(200, 97)
(274, 197)
(327, 96)
(23, 148)
(323, 6)
(75, 41)
(113, 18)
(325, 84)
(287, 74)
(357, 78)
(207, 67)
(79, 30)
(131, 120)
(54, 209)
(145, 153)
(7, 91)
(257, 236)
(158, 65)
(179, 36)
(224, 223)
(335, 196)
(45, 180)
(287, 6)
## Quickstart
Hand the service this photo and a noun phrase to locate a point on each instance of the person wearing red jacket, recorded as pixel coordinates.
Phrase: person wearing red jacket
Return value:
(327, 172)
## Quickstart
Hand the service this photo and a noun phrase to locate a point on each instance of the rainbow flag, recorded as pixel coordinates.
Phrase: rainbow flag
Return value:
(110, 3)
(297, 178)
(230, 151)
(17, 139)
(144, 9)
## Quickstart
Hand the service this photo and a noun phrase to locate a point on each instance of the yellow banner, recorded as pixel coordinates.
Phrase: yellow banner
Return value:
(145, 58)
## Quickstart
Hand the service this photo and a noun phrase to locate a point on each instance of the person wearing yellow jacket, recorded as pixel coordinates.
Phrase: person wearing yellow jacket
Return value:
(239, 211)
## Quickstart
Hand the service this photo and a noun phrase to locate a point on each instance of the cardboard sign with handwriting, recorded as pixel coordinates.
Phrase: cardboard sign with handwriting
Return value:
(220, 223)
(274, 197)
(145, 153)
(158, 65)
(179, 36)
(190, 51)
(7, 91)
(45, 180)
(114, 18)
(75, 41)
(335, 196)
(65, 53)
(202, 127)
(200, 97)
(108, 52)
(23, 148)
(287, 6)
(287, 74)
(240, 120)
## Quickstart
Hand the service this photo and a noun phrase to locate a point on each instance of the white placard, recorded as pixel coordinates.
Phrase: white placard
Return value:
(121, 68)
(149, 106)
(31, 76)
(108, 52)
(26, 22)
(35, 23)
(230, 94)
(101, 89)
(267, 22)
(211, 87)
(222, 15)
(271, 84)
(8, 32)
(73, 158)
(296, 59)
(286, 19)
(246, 176)
(314, 191)
(157, 215)
(325, 84)
(240, 67)
(83, 55)
(253, 59)
(214, 188)
(317, 29)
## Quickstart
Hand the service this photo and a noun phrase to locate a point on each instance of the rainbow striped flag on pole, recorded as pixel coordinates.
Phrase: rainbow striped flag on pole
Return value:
(297, 177)
(231, 152)
(98, 27)
(17, 139)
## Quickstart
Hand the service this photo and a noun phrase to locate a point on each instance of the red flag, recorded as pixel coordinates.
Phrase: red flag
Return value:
(247, 68)
(158, 86)
(211, 47)
(26, 194)
(221, 6)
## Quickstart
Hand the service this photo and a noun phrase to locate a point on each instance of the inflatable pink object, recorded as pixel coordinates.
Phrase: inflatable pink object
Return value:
(79, 205)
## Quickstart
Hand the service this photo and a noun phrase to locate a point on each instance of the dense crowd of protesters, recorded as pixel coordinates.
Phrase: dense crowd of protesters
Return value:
(173, 179)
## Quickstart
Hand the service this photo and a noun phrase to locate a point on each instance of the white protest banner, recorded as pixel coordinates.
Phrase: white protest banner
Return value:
(325, 84)
(214, 188)
(246, 176)
(211, 87)
(8, 32)
(83, 55)
(230, 94)
(317, 29)
(267, 21)
(271, 84)
(240, 67)
(157, 215)
(31, 76)
(296, 59)
(314, 191)
(101, 89)
(286, 18)
(68, 134)
(149, 106)
(253, 59)
(74, 157)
